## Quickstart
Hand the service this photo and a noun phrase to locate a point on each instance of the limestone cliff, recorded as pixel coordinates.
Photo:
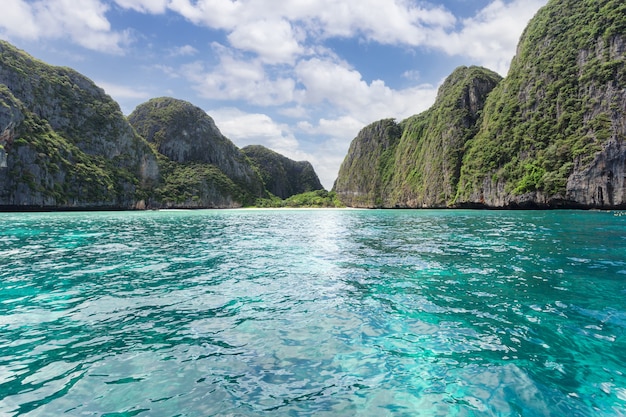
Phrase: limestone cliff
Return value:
(366, 169)
(554, 131)
(550, 134)
(417, 162)
(203, 168)
(63, 142)
(283, 177)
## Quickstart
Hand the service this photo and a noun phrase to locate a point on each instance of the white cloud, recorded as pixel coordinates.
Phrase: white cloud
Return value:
(85, 25)
(217, 14)
(344, 128)
(273, 40)
(490, 37)
(185, 50)
(236, 78)
(294, 29)
(144, 6)
(168, 70)
(412, 75)
(345, 89)
(17, 20)
(396, 22)
(122, 92)
(296, 112)
(254, 129)
(277, 34)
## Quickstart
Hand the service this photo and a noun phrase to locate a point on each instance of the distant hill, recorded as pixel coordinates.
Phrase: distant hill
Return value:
(64, 144)
(202, 168)
(282, 176)
(416, 163)
(550, 134)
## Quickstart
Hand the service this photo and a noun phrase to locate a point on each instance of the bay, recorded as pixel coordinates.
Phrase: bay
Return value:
(313, 312)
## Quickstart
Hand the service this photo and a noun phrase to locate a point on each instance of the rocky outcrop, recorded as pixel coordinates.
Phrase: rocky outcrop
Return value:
(601, 183)
(366, 169)
(417, 162)
(64, 142)
(187, 135)
(553, 131)
(551, 134)
(283, 177)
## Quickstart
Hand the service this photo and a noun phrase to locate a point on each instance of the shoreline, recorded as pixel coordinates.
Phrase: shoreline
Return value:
(57, 209)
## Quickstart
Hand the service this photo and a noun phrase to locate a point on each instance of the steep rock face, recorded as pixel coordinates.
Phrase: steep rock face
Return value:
(365, 169)
(64, 142)
(553, 132)
(282, 176)
(187, 136)
(428, 158)
(417, 163)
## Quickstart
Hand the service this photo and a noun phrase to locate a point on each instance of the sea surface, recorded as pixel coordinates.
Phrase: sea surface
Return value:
(313, 313)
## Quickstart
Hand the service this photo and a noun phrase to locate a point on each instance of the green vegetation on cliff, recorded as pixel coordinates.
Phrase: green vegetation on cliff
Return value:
(428, 157)
(282, 176)
(200, 166)
(309, 199)
(417, 162)
(65, 144)
(551, 134)
(369, 165)
(560, 104)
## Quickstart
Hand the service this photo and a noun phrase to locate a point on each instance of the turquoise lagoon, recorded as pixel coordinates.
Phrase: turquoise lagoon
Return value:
(313, 313)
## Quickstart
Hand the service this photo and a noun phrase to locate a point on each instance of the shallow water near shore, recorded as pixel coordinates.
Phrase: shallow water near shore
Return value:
(313, 312)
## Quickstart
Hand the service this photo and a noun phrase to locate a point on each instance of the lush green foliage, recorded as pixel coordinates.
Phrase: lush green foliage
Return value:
(310, 199)
(551, 110)
(282, 176)
(509, 141)
(198, 185)
(417, 162)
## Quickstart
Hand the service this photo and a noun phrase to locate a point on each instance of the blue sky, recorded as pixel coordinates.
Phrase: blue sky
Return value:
(301, 77)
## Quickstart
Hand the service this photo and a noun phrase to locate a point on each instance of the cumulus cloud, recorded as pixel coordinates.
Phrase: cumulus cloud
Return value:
(393, 22)
(144, 6)
(86, 25)
(254, 129)
(185, 50)
(18, 20)
(237, 78)
(345, 89)
(339, 129)
(293, 30)
(217, 14)
(273, 41)
(490, 37)
(121, 92)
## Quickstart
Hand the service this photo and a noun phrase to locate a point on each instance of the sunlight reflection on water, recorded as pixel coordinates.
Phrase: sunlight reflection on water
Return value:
(312, 312)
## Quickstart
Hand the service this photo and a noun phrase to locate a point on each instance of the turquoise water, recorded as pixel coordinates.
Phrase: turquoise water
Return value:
(313, 313)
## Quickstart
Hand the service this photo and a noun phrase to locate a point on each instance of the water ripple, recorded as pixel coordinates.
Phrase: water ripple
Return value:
(325, 313)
